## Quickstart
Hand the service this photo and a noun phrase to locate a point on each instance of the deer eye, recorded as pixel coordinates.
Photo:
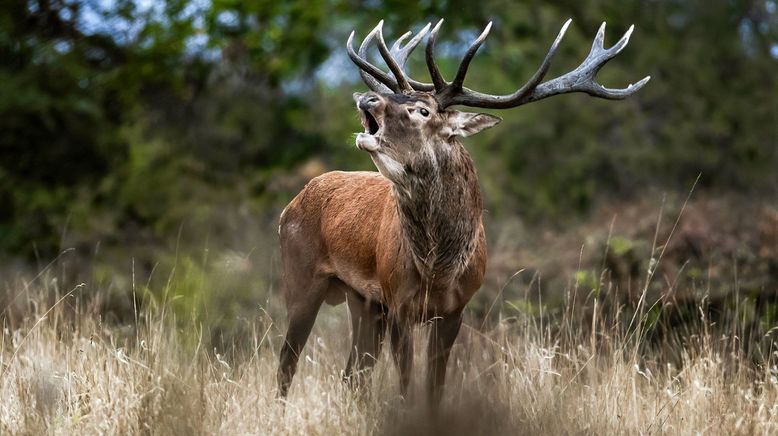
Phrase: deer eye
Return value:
(424, 112)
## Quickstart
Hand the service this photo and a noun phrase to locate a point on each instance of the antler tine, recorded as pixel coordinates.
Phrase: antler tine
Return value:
(401, 53)
(599, 39)
(619, 46)
(396, 45)
(463, 66)
(369, 80)
(396, 69)
(369, 68)
(437, 78)
(544, 66)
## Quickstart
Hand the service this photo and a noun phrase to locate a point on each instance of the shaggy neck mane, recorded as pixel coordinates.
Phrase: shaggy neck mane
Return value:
(439, 203)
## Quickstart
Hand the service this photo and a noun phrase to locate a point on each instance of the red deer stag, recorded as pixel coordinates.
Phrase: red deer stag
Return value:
(406, 244)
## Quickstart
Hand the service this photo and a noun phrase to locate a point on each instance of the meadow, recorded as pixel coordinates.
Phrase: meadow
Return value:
(588, 366)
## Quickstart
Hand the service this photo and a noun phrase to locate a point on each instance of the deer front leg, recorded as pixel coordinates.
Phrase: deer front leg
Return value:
(442, 336)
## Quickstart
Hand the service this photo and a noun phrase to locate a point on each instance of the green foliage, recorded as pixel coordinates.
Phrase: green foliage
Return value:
(587, 281)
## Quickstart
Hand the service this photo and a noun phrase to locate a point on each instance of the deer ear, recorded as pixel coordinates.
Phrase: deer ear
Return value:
(466, 124)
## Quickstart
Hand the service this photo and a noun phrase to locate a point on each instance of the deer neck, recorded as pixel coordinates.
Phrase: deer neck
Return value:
(439, 205)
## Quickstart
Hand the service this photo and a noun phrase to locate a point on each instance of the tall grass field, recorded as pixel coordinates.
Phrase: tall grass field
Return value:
(651, 353)
(65, 371)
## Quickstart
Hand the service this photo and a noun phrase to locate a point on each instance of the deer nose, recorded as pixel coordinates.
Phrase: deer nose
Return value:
(368, 101)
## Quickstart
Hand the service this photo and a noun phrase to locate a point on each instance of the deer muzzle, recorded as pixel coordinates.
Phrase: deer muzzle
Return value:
(370, 106)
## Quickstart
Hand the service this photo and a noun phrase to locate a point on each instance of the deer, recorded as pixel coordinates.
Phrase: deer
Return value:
(406, 245)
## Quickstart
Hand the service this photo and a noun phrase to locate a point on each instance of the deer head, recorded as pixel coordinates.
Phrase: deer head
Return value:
(402, 128)
(405, 119)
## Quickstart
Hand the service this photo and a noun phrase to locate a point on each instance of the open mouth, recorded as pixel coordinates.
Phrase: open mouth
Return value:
(370, 123)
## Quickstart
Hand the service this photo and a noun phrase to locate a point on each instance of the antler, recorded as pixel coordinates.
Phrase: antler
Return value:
(396, 58)
(582, 79)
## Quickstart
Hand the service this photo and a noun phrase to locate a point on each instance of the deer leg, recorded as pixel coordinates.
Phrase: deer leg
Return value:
(301, 318)
(402, 351)
(442, 336)
(368, 323)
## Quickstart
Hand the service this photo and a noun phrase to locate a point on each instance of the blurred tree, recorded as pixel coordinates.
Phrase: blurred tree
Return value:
(65, 91)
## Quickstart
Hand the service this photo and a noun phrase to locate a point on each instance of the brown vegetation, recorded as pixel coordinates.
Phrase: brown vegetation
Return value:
(66, 371)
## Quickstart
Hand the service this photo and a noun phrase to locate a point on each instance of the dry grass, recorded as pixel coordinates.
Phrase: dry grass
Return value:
(63, 371)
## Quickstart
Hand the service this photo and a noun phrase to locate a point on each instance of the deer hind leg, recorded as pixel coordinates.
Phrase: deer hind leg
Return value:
(368, 321)
(442, 335)
(402, 351)
(301, 311)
